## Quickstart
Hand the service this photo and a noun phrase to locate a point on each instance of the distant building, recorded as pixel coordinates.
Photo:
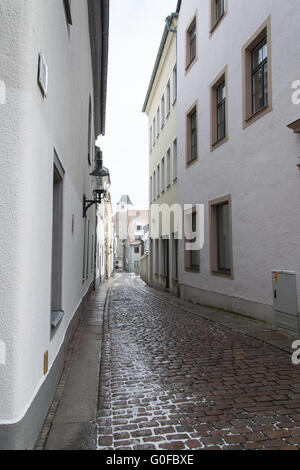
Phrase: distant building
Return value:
(129, 228)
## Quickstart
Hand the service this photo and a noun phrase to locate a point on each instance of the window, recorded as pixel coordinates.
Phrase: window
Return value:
(156, 264)
(139, 228)
(257, 84)
(221, 237)
(151, 138)
(154, 186)
(136, 250)
(67, 5)
(191, 43)
(150, 190)
(92, 255)
(175, 163)
(158, 180)
(168, 98)
(157, 120)
(163, 117)
(154, 127)
(218, 9)
(88, 252)
(192, 140)
(219, 111)
(90, 132)
(192, 257)
(168, 167)
(260, 76)
(175, 258)
(57, 244)
(163, 184)
(174, 83)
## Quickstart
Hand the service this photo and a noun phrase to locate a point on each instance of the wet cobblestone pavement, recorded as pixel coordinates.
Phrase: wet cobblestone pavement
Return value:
(172, 381)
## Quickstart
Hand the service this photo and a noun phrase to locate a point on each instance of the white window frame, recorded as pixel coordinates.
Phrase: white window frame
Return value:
(174, 83)
(175, 160)
(163, 175)
(168, 168)
(168, 96)
(163, 109)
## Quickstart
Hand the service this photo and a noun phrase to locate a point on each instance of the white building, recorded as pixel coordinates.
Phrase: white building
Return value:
(50, 254)
(237, 62)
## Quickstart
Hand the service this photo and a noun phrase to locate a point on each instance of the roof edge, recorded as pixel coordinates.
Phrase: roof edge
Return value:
(99, 37)
(158, 59)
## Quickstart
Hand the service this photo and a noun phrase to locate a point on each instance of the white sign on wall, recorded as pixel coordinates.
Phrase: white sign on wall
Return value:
(2, 353)
(2, 92)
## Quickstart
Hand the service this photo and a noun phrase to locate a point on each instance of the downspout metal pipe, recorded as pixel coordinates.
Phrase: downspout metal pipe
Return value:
(169, 21)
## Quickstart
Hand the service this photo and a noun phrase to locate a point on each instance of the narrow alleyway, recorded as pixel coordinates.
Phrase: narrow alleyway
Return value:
(172, 380)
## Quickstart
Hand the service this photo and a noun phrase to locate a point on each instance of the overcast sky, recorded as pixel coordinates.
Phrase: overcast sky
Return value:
(136, 28)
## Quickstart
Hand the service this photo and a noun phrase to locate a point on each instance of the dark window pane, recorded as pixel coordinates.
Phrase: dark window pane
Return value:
(221, 108)
(193, 43)
(260, 76)
(193, 124)
(219, 9)
(223, 230)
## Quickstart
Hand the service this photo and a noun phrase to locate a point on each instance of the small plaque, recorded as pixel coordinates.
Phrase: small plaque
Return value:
(2, 353)
(43, 75)
(2, 92)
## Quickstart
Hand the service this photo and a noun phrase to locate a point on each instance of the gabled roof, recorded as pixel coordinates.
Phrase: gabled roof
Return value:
(125, 200)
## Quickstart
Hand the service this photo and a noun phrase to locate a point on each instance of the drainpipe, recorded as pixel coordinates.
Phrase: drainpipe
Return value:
(169, 21)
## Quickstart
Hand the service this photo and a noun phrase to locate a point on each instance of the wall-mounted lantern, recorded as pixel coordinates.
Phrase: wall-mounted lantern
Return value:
(100, 183)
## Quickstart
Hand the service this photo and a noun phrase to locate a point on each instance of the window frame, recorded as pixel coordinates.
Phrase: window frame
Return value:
(175, 83)
(219, 80)
(214, 245)
(255, 69)
(163, 179)
(175, 160)
(163, 111)
(193, 109)
(168, 97)
(189, 62)
(169, 170)
(158, 183)
(151, 138)
(264, 31)
(214, 20)
(188, 266)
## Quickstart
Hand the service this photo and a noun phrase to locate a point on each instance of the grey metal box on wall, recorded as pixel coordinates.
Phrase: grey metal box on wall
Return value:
(285, 300)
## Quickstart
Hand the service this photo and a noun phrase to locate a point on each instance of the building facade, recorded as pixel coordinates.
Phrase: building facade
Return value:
(51, 256)
(108, 238)
(129, 225)
(161, 109)
(238, 157)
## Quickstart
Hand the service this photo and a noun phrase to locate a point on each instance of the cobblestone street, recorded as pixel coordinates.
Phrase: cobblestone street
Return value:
(171, 380)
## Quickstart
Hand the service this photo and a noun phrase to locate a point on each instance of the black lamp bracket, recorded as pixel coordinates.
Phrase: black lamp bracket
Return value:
(100, 195)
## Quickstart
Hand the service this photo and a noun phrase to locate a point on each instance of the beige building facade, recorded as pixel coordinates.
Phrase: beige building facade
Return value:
(160, 107)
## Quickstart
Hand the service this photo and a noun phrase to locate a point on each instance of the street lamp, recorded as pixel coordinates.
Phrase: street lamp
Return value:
(100, 183)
